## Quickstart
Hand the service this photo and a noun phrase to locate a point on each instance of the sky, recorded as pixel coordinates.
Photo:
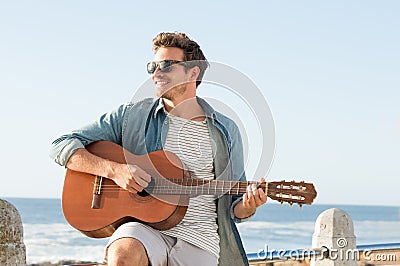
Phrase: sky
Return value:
(329, 71)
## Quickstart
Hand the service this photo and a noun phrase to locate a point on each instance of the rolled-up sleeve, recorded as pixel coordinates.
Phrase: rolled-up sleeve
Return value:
(107, 127)
(63, 147)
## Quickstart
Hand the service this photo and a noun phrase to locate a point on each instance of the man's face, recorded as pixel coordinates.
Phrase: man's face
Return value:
(170, 84)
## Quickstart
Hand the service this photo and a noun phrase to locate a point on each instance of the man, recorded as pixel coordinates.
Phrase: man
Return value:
(208, 143)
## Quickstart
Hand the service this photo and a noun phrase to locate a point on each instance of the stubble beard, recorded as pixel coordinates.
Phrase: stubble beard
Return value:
(171, 93)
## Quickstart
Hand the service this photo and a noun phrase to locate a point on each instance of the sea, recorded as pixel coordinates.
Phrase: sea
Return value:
(48, 237)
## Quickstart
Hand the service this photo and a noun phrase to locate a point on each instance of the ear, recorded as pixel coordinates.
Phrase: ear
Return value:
(194, 73)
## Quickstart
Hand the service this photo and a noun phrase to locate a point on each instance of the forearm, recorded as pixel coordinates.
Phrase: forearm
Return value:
(129, 177)
(84, 161)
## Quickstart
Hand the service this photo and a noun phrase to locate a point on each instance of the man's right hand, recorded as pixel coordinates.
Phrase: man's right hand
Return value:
(130, 177)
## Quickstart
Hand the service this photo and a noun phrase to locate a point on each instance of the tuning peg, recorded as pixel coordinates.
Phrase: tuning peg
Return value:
(281, 202)
(291, 204)
(301, 205)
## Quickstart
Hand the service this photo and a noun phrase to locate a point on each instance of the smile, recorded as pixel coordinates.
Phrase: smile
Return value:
(159, 82)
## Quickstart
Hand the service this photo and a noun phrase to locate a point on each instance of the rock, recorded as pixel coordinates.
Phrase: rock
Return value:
(334, 230)
(12, 247)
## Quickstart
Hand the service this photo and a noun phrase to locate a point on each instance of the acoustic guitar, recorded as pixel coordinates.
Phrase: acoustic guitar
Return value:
(96, 206)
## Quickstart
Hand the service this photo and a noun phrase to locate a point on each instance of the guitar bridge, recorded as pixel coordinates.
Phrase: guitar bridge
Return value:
(96, 199)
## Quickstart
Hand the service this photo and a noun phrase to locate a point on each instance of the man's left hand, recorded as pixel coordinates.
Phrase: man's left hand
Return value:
(252, 199)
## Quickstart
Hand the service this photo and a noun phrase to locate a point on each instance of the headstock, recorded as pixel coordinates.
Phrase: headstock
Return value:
(291, 192)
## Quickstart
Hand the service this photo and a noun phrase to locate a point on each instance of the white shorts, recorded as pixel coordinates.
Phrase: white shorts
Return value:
(164, 250)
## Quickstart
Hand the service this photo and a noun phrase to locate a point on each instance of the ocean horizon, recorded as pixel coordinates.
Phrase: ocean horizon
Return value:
(48, 236)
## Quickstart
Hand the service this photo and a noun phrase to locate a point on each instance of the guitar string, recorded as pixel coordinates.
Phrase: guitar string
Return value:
(240, 187)
(218, 189)
(189, 189)
(279, 196)
(282, 198)
(203, 186)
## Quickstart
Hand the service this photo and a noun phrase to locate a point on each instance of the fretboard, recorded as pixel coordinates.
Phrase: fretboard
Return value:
(195, 187)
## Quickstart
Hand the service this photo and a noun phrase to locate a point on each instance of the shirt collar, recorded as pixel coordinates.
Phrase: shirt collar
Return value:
(208, 110)
(160, 106)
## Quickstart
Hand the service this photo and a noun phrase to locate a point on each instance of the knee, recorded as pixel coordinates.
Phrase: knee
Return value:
(126, 251)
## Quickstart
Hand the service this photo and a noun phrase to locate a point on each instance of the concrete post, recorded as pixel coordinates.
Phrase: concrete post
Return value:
(12, 247)
(334, 230)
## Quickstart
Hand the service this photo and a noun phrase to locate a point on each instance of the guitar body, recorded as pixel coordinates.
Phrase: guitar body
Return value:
(115, 205)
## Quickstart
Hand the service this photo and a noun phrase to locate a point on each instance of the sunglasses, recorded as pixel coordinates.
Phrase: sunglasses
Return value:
(164, 65)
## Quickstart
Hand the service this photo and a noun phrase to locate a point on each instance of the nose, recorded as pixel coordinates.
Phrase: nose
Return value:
(157, 73)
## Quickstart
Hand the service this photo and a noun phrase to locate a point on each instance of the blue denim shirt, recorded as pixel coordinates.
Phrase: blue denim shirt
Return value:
(142, 127)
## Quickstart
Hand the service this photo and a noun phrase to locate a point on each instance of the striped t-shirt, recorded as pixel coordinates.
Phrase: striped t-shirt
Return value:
(190, 141)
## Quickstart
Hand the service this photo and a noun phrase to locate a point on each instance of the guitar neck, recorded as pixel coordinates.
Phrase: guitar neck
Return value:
(282, 191)
(196, 187)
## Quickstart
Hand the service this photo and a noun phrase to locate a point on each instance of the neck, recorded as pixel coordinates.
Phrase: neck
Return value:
(187, 108)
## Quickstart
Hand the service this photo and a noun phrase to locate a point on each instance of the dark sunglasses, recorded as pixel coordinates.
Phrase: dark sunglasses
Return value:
(164, 65)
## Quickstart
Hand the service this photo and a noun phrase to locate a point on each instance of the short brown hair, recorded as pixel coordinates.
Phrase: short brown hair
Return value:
(191, 50)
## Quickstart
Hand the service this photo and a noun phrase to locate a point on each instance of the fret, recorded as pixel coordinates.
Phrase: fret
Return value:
(228, 190)
(185, 186)
(218, 191)
(232, 187)
(245, 185)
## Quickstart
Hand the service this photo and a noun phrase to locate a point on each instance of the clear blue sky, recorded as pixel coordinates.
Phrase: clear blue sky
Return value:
(330, 71)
